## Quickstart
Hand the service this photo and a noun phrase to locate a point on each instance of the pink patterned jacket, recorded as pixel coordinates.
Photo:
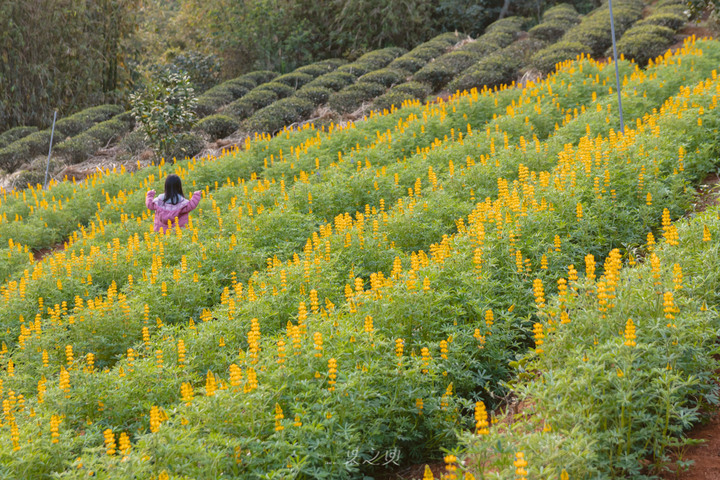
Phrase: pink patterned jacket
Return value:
(165, 212)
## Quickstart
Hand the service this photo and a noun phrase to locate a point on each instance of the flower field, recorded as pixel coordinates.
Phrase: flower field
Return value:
(344, 297)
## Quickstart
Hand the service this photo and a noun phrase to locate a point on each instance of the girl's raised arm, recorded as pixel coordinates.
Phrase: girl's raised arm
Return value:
(192, 203)
(149, 200)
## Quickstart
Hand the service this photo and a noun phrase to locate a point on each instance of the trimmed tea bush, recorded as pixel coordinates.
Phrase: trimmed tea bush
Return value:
(508, 24)
(669, 20)
(80, 147)
(134, 142)
(351, 98)
(390, 99)
(280, 114)
(78, 122)
(594, 31)
(187, 145)
(546, 59)
(217, 126)
(408, 62)
(556, 21)
(416, 89)
(374, 60)
(260, 76)
(438, 73)
(279, 89)
(317, 95)
(563, 12)
(333, 80)
(14, 134)
(243, 107)
(321, 68)
(498, 68)
(645, 42)
(295, 80)
(385, 76)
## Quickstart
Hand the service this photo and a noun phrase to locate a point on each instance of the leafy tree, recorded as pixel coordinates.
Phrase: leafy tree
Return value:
(165, 109)
(60, 54)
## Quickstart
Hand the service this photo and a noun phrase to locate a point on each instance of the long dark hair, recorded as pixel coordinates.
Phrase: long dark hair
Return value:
(173, 190)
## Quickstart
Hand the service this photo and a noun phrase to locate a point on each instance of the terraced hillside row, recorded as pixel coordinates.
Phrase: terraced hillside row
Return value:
(342, 292)
(266, 102)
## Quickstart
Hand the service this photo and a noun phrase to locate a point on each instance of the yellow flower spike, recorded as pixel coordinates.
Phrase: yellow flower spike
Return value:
(481, 416)
(318, 341)
(450, 467)
(428, 474)
(520, 463)
(55, 428)
(124, 443)
(630, 333)
(210, 384)
(539, 292)
(564, 475)
(332, 374)
(425, 353)
(278, 418)
(109, 441)
(186, 393)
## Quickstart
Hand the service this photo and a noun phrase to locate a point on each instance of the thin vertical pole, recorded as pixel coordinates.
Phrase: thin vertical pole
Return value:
(617, 72)
(47, 167)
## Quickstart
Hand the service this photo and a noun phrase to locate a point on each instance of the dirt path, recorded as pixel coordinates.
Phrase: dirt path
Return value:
(705, 457)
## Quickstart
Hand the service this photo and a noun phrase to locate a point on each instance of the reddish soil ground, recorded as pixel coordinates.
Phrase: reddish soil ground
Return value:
(705, 457)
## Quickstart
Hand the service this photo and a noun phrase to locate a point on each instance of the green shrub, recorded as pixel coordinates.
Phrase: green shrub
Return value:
(427, 51)
(78, 148)
(238, 86)
(243, 107)
(260, 76)
(416, 89)
(550, 31)
(408, 62)
(387, 100)
(563, 12)
(186, 145)
(112, 129)
(279, 89)
(680, 10)
(134, 142)
(294, 79)
(448, 38)
(322, 67)
(30, 178)
(644, 42)
(217, 126)
(438, 73)
(669, 20)
(664, 3)
(78, 122)
(508, 24)
(280, 114)
(384, 76)
(333, 80)
(207, 104)
(165, 108)
(14, 134)
(14, 155)
(546, 59)
(351, 98)
(374, 60)
(498, 68)
(317, 95)
(556, 21)
(380, 58)
(594, 32)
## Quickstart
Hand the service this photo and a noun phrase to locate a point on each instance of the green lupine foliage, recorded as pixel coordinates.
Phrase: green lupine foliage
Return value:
(374, 405)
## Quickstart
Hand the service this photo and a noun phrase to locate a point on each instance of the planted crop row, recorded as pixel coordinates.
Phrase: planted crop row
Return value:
(346, 347)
